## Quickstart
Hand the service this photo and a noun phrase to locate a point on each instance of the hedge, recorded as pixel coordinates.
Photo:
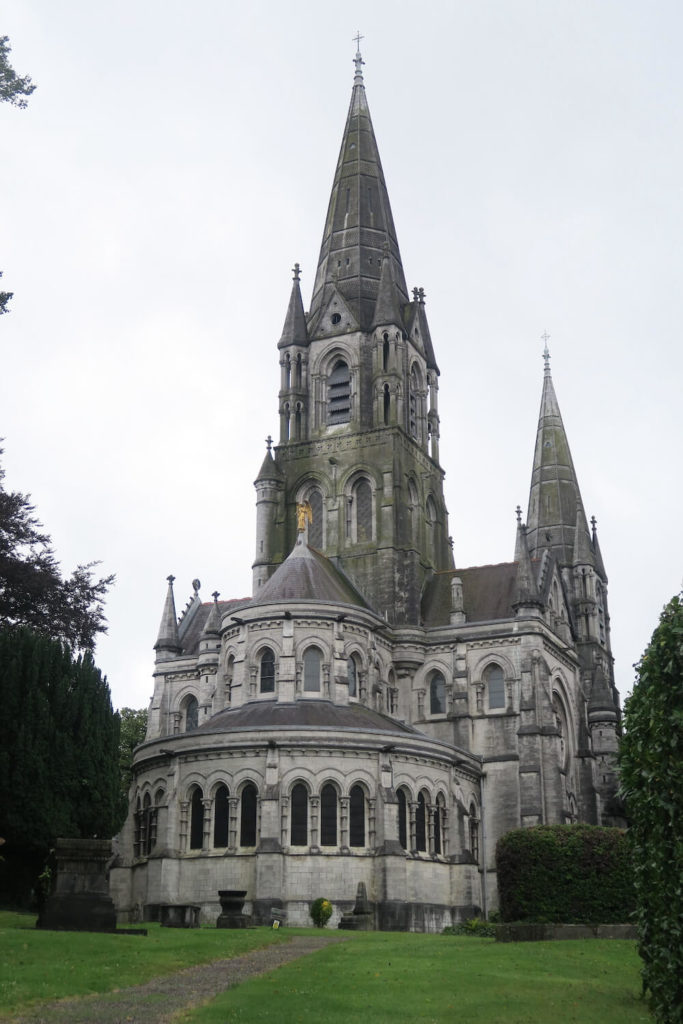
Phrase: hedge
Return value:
(575, 874)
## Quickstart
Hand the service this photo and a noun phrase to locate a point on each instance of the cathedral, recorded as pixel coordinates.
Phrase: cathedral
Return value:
(374, 713)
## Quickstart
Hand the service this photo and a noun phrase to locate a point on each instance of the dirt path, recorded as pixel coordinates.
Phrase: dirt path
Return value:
(158, 1000)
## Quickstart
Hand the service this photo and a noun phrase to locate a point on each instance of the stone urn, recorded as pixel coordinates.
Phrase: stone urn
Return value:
(232, 902)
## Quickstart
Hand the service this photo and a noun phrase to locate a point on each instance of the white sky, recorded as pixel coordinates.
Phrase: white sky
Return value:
(174, 162)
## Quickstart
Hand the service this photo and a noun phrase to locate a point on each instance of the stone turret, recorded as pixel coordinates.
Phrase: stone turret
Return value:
(168, 641)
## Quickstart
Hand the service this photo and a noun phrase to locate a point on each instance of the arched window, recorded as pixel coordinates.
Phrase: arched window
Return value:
(413, 402)
(413, 505)
(221, 816)
(315, 527)
(474, 834)
(286, 416)
(495, 685)
(191, 709)
(328, 815)
(357, 817)
(352, 675)
(248, 815)
(421, 823)
(437, 694)
(430, 520)
(298, 414)
(362, 502)
(267, 672)
(299, 816)
(144, 825)
(386, 395)
(312, 663)
(438, 825)
(562, 728)
(385, 351)
(138, 828)
(229, 676)
(299, 371)
(288, 371)
(196, 819)
(402, 818)
(339, 394)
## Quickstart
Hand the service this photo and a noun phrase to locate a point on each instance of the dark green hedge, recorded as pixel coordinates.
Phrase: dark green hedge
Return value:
(651, 764)
(569, 873)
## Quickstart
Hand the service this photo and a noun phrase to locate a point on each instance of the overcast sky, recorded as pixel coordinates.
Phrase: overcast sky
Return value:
(177, 159)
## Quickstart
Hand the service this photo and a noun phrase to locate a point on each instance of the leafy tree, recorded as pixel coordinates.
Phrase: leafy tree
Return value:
(13, 88)
(59, 745)
(651, 761)
(4, 299)
(32, 589)
(133, 731)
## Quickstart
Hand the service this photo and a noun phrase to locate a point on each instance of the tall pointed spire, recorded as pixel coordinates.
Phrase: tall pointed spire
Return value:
(551, 517)
(294, 329)
(168, 639)
(359, 222)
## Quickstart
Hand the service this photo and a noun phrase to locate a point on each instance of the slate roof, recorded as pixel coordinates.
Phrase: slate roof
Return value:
(314, 714)
(488, 594)
(307, 575)
(189, 637)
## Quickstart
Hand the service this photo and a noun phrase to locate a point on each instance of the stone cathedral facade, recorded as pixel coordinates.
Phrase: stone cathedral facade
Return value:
(374, 713)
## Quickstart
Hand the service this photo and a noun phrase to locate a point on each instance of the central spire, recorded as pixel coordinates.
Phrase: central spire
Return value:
(359, 229)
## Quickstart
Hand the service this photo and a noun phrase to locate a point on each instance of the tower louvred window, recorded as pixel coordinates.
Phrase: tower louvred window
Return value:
(339, 394)
(315, 527)
(363, 496)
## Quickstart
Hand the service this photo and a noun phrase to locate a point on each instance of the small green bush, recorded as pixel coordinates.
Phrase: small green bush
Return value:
(475, 927)
(321, 912)
(574, 874)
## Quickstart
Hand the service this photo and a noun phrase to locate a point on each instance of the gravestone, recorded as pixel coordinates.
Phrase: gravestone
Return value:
(79, 897)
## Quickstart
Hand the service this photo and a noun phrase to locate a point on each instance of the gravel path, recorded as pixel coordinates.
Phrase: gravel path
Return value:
(158, 1000)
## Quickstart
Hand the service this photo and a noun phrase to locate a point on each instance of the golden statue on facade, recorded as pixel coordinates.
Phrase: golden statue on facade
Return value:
(304, 514)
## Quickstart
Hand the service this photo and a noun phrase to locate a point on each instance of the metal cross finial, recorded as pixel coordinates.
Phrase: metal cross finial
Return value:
(269, 443)
(594, 523)
(358, 60)
(421, 295)
(216, 595)
(170, 580)
(546, 354)
(296, 270)
(416, 292)
(519, 514)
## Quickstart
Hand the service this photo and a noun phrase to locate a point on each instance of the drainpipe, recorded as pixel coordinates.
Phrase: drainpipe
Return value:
(484, 893)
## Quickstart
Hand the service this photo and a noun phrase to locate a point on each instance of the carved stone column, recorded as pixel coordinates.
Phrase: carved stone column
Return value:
(431, 808)
(372, 822)
(233, 803)
(412, 807)
(207, 804)
(184, 805)
(344, 822)
(315, 807)
(284, 821)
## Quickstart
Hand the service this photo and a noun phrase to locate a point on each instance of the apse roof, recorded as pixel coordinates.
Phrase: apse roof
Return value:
(307, 575)
(308, 713)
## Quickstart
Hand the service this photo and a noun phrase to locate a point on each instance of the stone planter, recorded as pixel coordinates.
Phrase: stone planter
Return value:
(232, 902)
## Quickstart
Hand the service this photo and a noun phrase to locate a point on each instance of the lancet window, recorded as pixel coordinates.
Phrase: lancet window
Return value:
(339, 394)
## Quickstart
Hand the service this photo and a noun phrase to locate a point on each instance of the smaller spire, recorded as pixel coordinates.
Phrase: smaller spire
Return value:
(583, 550)
(294, 331)
(599, 564)
(358, 60)
(213, 622)
(168, 639)
(527, 589)
(545, 337)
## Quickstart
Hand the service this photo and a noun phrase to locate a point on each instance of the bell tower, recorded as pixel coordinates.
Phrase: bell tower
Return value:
(359, 422)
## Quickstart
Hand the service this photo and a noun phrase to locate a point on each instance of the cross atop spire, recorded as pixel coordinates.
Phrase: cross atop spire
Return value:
(546, 354)
(358, 60)
(296, 271)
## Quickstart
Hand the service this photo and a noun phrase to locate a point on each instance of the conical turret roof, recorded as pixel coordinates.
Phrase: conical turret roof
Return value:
(306, 575)
(294, 330)
(359, 225)
(554, 493)
(168, 638)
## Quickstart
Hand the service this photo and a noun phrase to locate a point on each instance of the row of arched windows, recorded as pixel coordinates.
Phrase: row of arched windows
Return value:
(326, 819)
(493, 684)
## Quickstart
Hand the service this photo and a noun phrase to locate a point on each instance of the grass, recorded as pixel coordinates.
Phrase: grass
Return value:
(378, 977)
(410, 979)
(41, 965)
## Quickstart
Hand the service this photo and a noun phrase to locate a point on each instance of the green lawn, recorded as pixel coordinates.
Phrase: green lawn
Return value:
(406, 979)
(377, 977)
(39, 965)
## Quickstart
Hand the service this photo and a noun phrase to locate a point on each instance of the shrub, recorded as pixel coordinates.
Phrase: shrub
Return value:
(475, 927)
(321, 912)
(575, 874)
(651, 764)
